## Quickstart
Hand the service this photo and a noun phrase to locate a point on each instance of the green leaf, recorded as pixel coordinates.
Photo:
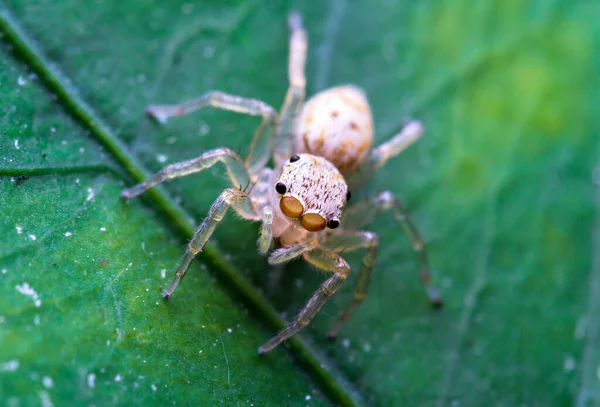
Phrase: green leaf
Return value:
(500, 187)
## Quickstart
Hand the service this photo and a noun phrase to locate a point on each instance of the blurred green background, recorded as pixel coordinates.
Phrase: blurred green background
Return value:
(502, 187)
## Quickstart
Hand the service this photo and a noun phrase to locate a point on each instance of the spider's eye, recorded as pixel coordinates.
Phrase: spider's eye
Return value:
(313, 222)
(332, 224)
(348, 195)
(294, 158)
(280, 187)
(291, 207)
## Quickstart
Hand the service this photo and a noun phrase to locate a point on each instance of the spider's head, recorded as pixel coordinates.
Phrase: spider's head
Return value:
(312, 191)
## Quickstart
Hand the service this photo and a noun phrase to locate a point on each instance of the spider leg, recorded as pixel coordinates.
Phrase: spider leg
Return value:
(381, 154)
(238, 174)
(289, 253)
(262, 142)
(266, 231)
(363, 212)
(296, 92)
(349, 241)
(231, 197)
(324, 260)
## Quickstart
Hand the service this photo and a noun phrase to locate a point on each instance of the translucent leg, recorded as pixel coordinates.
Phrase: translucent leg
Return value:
(266, 232)
(231, 197)
(363, 212)
(327, 261)
(262, 143)
(296, 92)
(289, 253)
(349, 241)
(238, 174)
(381, 154)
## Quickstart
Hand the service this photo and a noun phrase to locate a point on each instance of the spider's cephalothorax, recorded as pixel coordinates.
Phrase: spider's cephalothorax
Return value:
(320, 155)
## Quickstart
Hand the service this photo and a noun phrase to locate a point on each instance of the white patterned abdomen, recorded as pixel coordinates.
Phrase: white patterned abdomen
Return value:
(336, 124)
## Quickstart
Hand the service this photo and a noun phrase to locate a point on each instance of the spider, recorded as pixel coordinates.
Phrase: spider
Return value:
(319, 149)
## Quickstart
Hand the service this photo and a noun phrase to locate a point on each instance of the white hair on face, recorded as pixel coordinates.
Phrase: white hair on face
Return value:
(317, 184)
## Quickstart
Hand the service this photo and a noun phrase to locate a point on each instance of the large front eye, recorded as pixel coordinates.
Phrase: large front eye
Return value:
(291, 207)
(313, 222)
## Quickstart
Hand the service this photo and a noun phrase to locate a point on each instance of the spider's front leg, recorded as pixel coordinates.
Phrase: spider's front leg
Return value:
(231, 197)
(236, 170)
(362, 213)
(325, 260)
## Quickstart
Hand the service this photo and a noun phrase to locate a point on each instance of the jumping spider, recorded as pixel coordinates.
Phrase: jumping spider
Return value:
(319, 148)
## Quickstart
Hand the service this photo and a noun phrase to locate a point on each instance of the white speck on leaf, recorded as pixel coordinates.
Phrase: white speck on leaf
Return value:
(21, 81)
(91, 380)
(346, 343)
(45, 399)
(229, 330)
(90, 195)
(47, 382)
(67, 234)
(161, 158)
(17, 144)
(3, 271)
(307, 397)
(32, 237)
(569, 364)
(153, 387)
(9, 366)
(19, 229)
(103, 229)
(163, 273)
(81, 149)
(118, 378)
(27, 290)
(367, 347)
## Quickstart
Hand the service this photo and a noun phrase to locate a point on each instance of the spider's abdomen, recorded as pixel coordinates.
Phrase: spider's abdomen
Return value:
(336, 124)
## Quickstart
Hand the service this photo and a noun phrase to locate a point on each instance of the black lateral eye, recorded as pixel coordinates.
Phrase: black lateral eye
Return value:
(280, 187)
(294, 158)
(332, 224)
(348, 195)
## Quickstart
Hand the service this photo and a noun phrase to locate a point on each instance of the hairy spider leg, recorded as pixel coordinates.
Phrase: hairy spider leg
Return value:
(324, 260)
(380, 155)
(296, 91)
(262, 143)
(363, 212)
(230, 198)
(238, 174)
(347, 241)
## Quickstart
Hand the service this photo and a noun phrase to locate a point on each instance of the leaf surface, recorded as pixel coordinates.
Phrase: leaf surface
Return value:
(500, 188)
